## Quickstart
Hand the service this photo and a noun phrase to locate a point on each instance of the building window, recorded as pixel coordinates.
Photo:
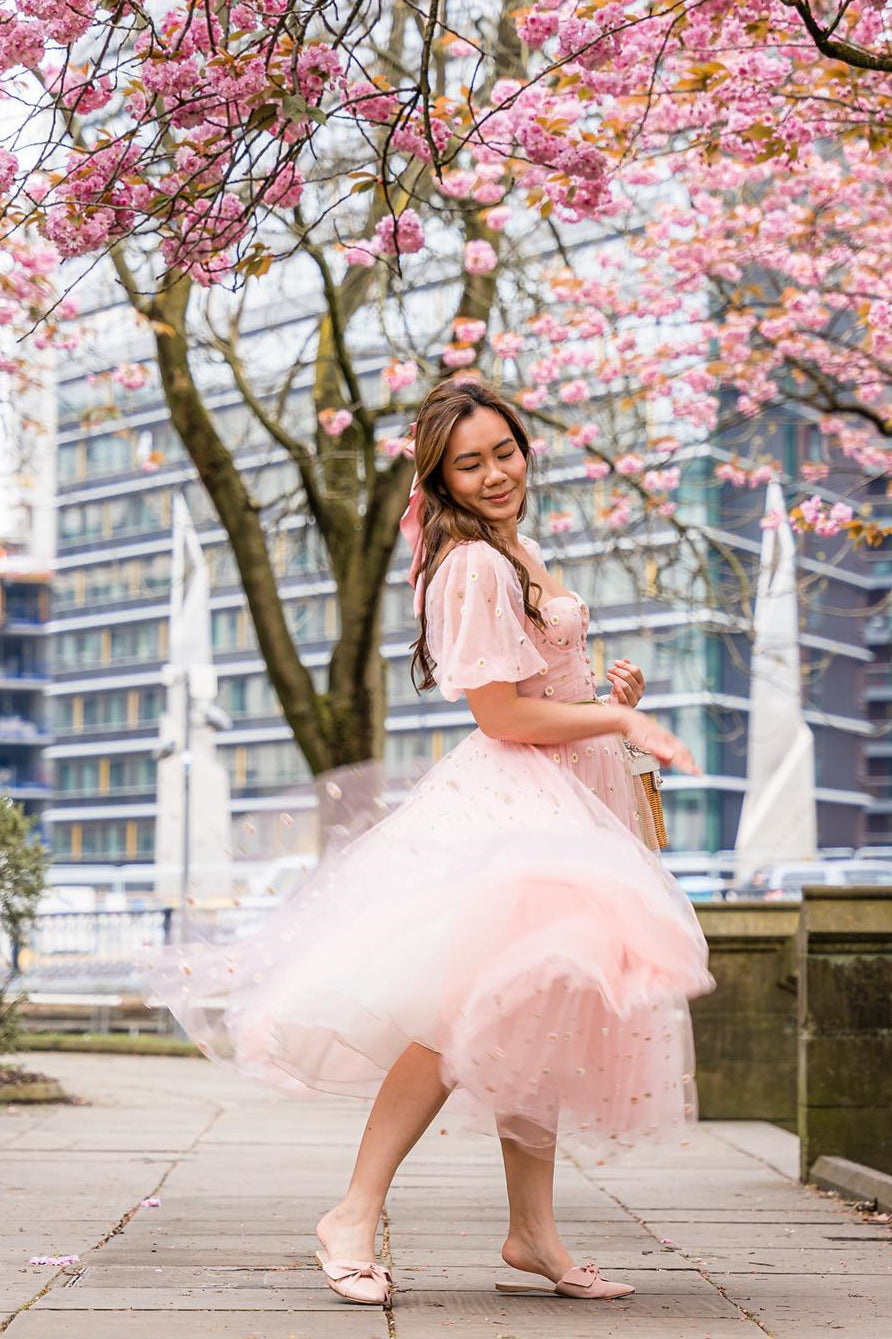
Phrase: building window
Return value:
(77, 650)
(104, 840)
(228, 630)
(145, 839)
(137, 514)
(134, 642)
(150, 705)
(266, 765)
(80, 523)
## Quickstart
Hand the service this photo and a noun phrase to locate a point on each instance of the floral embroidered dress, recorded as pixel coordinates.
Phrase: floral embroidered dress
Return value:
(510, 914)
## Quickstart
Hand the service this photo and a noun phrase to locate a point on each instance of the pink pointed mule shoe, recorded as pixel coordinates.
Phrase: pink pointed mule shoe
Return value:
(582, 1281)
(364, 1282)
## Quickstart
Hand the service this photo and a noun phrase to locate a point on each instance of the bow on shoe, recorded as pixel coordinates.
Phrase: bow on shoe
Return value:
(343, 1270)
(359, 1281)
(586, 1280)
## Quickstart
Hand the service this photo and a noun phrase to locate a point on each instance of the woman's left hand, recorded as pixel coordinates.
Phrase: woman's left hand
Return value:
(626, 683)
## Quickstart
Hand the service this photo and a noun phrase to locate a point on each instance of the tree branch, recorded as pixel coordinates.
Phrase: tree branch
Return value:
(837, 48)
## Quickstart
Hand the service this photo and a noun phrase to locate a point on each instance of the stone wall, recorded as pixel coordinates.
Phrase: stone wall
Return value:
(799, 1028)
(845, 1026)
(745, 1032)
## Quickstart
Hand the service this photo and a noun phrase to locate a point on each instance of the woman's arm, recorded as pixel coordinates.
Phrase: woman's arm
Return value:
(502, 713)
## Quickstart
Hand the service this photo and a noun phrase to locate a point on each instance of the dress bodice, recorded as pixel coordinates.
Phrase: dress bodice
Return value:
(478, 630)
(563, 644)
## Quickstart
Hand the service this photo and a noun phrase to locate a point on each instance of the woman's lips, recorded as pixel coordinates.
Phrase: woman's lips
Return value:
(499, 497)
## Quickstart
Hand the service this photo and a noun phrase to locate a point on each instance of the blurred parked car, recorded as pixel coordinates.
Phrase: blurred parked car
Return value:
(787, 880)
(852, 872)
(703, 887)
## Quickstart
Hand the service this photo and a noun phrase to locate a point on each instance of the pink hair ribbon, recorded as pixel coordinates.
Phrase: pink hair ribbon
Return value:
(412, 531)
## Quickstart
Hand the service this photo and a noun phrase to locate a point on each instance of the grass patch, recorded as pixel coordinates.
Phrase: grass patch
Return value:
(108, 1043)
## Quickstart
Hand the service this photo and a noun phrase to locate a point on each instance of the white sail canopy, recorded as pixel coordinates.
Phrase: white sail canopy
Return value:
(778, 821)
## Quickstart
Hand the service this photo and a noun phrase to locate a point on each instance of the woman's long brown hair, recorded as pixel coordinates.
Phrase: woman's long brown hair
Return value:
(444, 521)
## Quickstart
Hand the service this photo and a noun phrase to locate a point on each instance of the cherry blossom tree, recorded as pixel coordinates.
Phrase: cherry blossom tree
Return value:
(654, 223)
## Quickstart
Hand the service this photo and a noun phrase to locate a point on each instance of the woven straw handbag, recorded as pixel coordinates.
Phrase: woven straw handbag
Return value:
(645, 766)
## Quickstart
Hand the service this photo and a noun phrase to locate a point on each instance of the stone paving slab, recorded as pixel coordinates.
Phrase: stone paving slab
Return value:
(569, 1326)
(801, 1305)
(718, 1237)
(346, 1323)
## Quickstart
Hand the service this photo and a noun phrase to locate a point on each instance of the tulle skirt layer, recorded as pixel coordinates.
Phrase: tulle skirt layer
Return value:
(503, 916)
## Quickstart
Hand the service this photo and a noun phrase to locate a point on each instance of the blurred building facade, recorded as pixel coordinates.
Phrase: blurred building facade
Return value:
(116, 481)
(27, 544)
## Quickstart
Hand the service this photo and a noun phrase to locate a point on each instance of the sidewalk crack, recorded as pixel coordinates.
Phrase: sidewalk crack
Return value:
(67, 1277)
(743, 1313)
(387, 1257)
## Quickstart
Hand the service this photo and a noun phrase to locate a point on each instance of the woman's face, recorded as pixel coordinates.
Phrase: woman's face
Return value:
(483, 468)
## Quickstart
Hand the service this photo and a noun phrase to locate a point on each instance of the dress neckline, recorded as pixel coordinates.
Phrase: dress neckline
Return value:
(565, 595)
(525, 540)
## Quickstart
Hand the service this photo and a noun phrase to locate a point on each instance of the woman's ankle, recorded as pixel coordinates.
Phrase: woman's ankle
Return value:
(356, 1210)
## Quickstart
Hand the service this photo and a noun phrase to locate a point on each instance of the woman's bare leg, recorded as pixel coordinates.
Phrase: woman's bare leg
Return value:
(409, 1098)
(532, 1243)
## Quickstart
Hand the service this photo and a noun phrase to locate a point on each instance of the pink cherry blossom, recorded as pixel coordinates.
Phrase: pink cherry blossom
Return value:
(455, 355)
(597, 469)
(498, 217)
(335, 421)
(574, 392)
(468, 331)
(400, 236)
(762, 474)
(841, 513)
(660, 481)
(397, 376)
(132, 376)
(358, 255)
(506, 344)
(560, 522)
(480, 257)
(396, 446)
(731, 474)
(584, 434)
(9, 166)
(619, 515)
(811, 509)
(773, 519)
(630, 463)
(371, 103)
(286, 188)
(533, 399)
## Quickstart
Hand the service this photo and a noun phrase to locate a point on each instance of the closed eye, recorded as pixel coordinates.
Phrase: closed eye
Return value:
(463, 469)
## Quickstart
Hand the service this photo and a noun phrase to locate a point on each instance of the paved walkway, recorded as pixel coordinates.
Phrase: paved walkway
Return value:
(720, 1240)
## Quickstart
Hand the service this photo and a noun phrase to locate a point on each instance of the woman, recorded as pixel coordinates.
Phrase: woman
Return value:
(508, 930)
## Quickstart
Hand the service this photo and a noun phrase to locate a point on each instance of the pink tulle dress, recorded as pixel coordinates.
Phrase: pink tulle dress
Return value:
(511, 913)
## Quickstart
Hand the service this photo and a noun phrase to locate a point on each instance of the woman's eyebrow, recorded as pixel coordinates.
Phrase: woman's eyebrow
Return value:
(466, 455)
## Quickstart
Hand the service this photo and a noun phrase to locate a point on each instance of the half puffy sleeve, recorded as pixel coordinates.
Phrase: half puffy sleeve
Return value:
(475, 622)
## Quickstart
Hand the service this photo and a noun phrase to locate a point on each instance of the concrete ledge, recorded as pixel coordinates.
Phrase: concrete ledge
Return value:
(853, 1181)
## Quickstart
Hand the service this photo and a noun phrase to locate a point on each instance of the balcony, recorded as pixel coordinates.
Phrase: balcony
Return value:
(20, 784)
(16, 675)
(878, 682)
(19, 730)
(878, 630)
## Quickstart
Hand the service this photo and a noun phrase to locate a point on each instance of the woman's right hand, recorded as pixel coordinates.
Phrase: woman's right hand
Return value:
(649, 735)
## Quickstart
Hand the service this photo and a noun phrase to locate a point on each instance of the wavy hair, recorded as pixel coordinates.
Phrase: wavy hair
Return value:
(445, 521)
